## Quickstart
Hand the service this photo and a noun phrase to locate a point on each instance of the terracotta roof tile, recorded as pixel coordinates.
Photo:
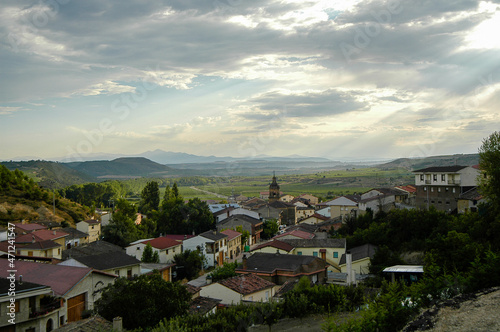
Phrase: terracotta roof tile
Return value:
(275, 244)
(246, 283)
(60, 278)
(296, 233)
(231, 234)
(162, 242)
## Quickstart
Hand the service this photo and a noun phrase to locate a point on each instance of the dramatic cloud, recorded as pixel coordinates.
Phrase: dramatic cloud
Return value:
(202, 77)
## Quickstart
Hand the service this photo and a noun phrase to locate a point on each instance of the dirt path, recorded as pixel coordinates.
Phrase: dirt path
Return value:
(209, 192)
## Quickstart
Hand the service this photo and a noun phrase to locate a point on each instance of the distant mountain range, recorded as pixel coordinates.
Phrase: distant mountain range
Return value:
(52, 174)
(172, 158)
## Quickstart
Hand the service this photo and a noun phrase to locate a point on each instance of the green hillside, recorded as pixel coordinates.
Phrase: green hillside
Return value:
(48, 174)
(121, 168)
(21, 198)
(435, 161)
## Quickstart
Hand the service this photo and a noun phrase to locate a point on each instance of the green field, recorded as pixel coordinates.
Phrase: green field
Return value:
(322, 184)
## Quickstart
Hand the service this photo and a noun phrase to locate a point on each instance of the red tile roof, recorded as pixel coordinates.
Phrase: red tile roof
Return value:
(296, 233)
(410, 189)
(246, 283)
(60, 278)
(231, 234)
(41, 235)
(275, 244)
(29, 227)
(162, 242)
(179, 237)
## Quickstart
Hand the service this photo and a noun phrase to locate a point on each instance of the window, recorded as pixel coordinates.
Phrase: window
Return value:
(421, 177)
(315, 253)
(432, 190)
(129, 273)
(138, 248)
(267, 295)
(443, 177)
(439, 190)
(299, 252)
(435, 177)
(453, 190)
(425, 188)
(446, 189)
(117, 272)
(335, 254)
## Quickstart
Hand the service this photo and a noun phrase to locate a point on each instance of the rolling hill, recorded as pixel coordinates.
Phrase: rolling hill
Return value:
(48, 174)
(121, 168)
(419, 163)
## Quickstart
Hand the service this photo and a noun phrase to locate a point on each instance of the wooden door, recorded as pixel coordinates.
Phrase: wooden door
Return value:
(76, 305)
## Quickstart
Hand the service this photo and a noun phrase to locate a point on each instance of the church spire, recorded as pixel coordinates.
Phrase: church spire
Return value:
(274, 189)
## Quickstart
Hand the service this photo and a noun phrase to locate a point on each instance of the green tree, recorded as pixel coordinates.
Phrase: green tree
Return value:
(122, 229)
(188, 264)
(150, 198)
(144, 301)
(489, 162)
(223, 272)
(270, 228)
(150, 256)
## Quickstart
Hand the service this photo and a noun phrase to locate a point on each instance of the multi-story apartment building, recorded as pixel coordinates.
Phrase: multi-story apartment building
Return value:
(441, 186)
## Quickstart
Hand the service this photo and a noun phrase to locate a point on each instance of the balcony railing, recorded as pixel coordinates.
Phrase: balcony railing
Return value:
(453, 181)
(428, 181)
(45, 309)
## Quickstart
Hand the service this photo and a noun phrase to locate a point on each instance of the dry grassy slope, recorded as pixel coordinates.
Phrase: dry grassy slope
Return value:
(15, 209)
(471, 312)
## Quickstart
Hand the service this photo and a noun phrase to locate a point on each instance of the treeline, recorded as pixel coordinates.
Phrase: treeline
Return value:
(103, 193)
(168, 215)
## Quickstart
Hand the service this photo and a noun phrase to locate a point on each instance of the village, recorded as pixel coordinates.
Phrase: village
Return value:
(59, 273)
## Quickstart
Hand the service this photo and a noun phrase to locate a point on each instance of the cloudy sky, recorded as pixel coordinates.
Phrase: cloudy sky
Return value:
(336, 79)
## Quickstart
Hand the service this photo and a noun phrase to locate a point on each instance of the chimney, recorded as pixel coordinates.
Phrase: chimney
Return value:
(245, 266)
(32, 238)
(351, 279)
(117, 324)
(54, 232)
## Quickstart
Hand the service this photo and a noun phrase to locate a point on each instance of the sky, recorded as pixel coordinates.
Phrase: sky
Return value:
(241, 78)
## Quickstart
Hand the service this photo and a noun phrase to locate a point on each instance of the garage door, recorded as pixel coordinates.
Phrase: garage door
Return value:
(76, 305)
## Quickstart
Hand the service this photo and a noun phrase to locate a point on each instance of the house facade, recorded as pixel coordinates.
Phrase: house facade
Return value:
(212, 244)
(441, 187)
(34, 308)
(91, 227)
(246, 287)
(343, 206)
(77, 287)
(360, 259)
(234, 244)
(280, 268)
(165, 247)
(251, 225)
(330, 250)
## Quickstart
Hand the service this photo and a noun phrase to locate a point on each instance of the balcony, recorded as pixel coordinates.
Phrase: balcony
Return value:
(453, 181)
(45, 309)
(428, 181)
